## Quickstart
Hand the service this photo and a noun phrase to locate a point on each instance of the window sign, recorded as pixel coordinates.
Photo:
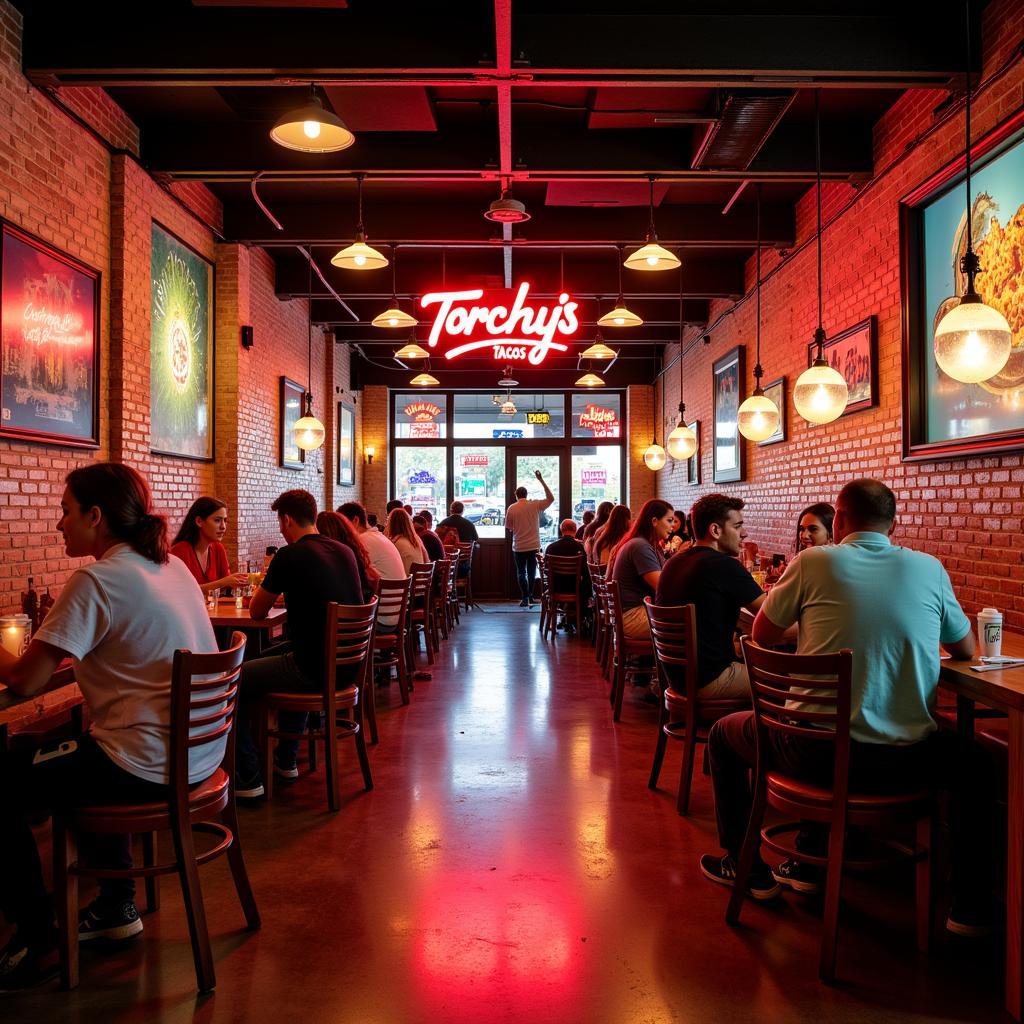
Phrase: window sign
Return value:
(419, 415)
(423, 476)
(476, 459)
(539, 418)
(422, 412)
(506, 435)
(597, 415)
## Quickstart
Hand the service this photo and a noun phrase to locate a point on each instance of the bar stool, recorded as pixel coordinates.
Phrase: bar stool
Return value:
(558, 568)
(390, 650)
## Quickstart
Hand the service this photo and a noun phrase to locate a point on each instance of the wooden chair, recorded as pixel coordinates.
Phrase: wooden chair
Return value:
(823, 716)
(622, 648)
(542, 572)
(464, 583)
(204, 700)
(348, 640)
(453, 593)
(596, 570)
(439, 601)
(558, 569)
(602, 652)
(685, 716)
(391, 650)
(422, 574)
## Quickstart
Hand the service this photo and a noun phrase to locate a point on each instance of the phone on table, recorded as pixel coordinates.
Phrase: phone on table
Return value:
(53, 750)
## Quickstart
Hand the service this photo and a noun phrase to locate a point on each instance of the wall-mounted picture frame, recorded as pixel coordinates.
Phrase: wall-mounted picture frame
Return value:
(776, 392)
(854, 353)
(49, 343)
(346, 444)
(290, 455)
(943, 418)
(181, 364)
(729, 453)
(693, 462)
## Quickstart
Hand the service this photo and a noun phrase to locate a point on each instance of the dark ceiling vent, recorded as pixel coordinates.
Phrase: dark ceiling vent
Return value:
(747, 120)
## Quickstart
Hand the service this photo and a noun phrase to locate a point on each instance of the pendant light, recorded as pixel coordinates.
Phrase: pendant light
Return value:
(599, 350)
(359, 255)
(820, 393)
(620, 316)
(590, 380)
(973, 340)
(758, 418)
(411, 350)
(312, 129)
(425, 379)
(506, 210)
(308, 433)
(682, 442)
(652, 256)
(394, 317)
(654, 456)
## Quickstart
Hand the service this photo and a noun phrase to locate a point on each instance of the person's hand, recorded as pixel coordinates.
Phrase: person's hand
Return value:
(536, 473)
(239, 579)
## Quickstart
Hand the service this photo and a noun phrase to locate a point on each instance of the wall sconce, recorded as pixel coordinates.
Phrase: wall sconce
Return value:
(369, 451)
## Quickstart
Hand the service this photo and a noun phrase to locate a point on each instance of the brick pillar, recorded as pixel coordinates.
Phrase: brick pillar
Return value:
(640, 481)
(375, 432)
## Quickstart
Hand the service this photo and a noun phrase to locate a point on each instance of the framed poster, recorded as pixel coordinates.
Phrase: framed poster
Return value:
(729, 454)
(290, 455)
(693, 462)
(776, 392)
(49, 344)
(854, 353)
(346, 444)
(180, 349)
(943, 418)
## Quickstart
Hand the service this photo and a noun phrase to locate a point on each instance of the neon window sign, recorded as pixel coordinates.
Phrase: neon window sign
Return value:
(601, 420)
(422, 412)
(503, 320)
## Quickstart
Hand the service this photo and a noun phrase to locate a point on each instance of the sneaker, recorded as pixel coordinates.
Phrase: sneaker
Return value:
(97, 921)
(283, 770)
(524, 603)
(760, 886)
(249, 787)
(23, 967)
(802, 878)
(970, 921)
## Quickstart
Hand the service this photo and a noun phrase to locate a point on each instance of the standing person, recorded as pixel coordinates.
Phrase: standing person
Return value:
(710, 576)
(635, 564)
(198, 545)
(616, 527)
(430, 540)
(383, 555)
(337, 527)
(594, 527)
(120, 619)
(402, 534)
(310, 572)
(458, 522)
(814, 527)
(522, 520)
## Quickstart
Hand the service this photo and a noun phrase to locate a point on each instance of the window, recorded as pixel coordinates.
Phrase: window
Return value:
(596, 470)
(535, 416)
(479, 483)
(421, 479)
(419, 415)
(596, 415)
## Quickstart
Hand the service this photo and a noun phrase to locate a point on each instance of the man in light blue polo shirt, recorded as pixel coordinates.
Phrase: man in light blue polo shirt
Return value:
(892, 607)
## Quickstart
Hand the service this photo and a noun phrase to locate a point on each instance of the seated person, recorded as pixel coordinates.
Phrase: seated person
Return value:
(198, 545)
(568, 545)
(430, 540)
(892, 607)
(635, 564)
(383, 555)
(710, 576)
(310, 572)
(337, 527)
(401, 532)
(120, 619)
(458, 522)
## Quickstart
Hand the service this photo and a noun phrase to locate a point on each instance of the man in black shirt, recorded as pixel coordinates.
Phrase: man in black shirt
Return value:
(311, 571)
(567, 544)
(710, 577)
(431, 541)
(460, 524)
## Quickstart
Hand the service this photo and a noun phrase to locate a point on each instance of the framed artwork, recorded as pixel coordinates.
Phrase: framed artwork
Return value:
(693, 462)
(776, 391)
(943, 418)
(180, 349)
(49, 344)
(291, 456)
(729, 454)
(854, 353)
(346, 444)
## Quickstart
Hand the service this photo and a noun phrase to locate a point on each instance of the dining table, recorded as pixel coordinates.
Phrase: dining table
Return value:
(262, 633)
(61, 696)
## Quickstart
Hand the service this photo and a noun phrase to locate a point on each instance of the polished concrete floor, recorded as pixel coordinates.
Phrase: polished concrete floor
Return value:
(512, 866)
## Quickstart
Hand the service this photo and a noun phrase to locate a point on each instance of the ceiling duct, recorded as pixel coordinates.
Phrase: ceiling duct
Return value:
(746, 121)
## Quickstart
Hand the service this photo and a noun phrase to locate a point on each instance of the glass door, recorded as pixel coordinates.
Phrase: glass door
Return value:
(525, 465)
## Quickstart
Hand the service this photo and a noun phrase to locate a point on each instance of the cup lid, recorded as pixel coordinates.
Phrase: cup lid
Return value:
(990, 611)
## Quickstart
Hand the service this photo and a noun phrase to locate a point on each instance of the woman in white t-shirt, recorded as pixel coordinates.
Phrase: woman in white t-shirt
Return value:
(120, 619)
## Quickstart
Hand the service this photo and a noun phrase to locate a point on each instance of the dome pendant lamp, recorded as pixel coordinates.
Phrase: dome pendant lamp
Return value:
(620, 316)
(758, 418)
(682, 442)
(973, 340)
(655, 457)
(359, 255)
(394, 317)
(820, 393)
(312, 129)
(308, 433)
(651, 256)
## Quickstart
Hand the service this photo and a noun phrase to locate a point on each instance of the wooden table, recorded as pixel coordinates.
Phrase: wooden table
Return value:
(62, 694)
(262, 632)
(1004, 690)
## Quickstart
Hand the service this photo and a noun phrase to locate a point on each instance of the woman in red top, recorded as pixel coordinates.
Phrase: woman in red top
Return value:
(198, 545)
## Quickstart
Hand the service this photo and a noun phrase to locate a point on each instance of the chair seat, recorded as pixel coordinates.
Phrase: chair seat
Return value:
(797, 791)
(710, 710)
(311, 701)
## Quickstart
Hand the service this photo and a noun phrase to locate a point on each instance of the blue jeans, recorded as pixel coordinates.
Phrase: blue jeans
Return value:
(526, 572)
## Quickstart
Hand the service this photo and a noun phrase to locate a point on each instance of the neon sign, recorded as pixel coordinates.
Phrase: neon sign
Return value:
(542, 418)
(422, 412)
(503, 320)
(602, 421)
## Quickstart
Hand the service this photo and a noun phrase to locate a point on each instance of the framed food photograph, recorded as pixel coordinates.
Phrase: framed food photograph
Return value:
(943, 418)
(693, 462)
(49, 344)
(180, 348)
(776, 392)
(290, 455)
(346, 444)
(854, 353)
(728, 450)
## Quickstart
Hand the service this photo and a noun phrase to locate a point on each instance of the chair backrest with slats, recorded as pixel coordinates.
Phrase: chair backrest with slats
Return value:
(613, 614)
(393, 602)
(204, 700)
(466, 552)
(564, 574)
(453, 575)
(348, 646)
(422, 574)
(674, 635)
(441, 576)
(545, 578)
(596, 570)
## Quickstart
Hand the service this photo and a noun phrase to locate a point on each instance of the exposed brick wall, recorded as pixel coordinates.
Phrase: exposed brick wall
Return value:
(640, 481)
(102, 115)
(375, 432)
(966, 511)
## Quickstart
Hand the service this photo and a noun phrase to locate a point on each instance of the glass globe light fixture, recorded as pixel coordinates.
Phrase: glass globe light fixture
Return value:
(308, 432)
(655, 457)
(758, 417)
(682, 442)
(820, 393)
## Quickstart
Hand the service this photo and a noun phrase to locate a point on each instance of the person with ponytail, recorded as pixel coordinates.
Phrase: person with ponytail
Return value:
(119, 618)
(199, 546)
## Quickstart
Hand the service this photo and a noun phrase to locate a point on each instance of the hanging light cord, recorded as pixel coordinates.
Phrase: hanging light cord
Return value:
(360, 231)
(819, 334)
(758, 370)
(652, 235)
(970, 265)
(682, 404)
(309, 336)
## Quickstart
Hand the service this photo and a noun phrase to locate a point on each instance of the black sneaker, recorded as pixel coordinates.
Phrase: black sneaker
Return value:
(249, 787)
(97, 921)
(524, 603)
(970, 921)
(24, 967)
(802, 878)
(282, 770)
(760, 886)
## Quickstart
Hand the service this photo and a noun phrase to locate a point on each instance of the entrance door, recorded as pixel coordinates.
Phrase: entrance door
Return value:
(523, 467)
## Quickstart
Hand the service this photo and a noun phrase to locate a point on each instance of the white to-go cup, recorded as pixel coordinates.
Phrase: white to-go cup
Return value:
(990, 632)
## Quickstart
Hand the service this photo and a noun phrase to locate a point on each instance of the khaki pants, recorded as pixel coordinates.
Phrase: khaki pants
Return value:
(732, 683)
(635, 624)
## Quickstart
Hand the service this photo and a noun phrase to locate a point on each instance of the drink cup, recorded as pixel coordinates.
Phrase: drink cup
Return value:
(211, 598)
(990, 632)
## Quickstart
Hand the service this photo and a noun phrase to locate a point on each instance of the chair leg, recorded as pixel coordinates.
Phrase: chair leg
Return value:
(579, 618)
(402, 670)
(192, 893)
(659, 750)
(833, 893)
(66, 898)
(364, 760)
(268, 761)
(923, 878)
(428, 640)
(331, 761)
(311, 753)
(751, 844)
(370, 697)
(238, 873)
(149, 855)
(686, 775)
(620, 687)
